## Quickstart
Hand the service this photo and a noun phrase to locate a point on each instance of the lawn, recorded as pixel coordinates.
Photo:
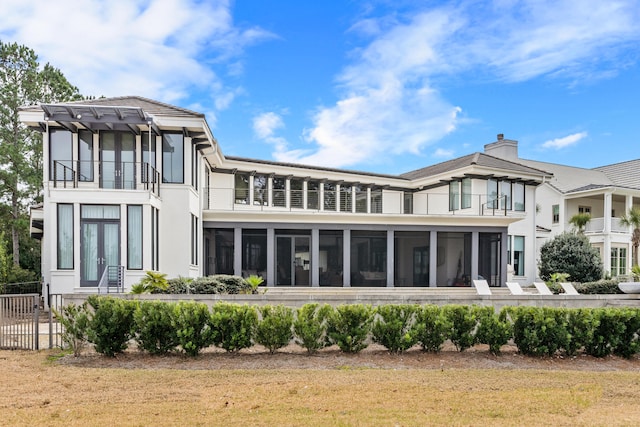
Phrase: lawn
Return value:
(39, 389)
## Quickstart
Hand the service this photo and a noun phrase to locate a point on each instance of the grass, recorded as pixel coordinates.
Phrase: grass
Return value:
(37, 390)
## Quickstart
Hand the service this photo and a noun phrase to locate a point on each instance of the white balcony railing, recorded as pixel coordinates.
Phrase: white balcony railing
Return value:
(597, 226)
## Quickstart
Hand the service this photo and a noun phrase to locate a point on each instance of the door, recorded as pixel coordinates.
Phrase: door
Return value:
(420, 266)
(293, 265)
(100, 247)
(117, 160)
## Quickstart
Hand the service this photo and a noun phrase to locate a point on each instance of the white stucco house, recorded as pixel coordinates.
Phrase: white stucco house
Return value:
(132, 184)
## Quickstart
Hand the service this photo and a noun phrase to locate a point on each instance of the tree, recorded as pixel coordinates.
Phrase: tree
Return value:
(580, 221)
(632, 219)
(570, 253)
(23, 83)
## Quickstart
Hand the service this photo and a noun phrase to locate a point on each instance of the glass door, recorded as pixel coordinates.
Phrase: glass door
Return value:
(293, 264)
(117, 160)
(100, 247)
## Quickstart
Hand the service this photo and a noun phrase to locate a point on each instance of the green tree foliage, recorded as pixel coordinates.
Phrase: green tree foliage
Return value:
(632, 219)
(75, 326)
(580, 221)
(22, 82)
(572, 254)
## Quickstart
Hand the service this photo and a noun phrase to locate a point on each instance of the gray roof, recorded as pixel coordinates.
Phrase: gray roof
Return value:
(625, 174)
(569, 179)
(474, 159)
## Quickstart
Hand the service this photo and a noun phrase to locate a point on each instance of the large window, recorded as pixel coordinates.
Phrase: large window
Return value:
(85, 155)
(65, 236)
(223, 256)
(518, 196)
(361, 199)
(368, 258)
(466, 193)
(330, 257)
(173, 158)
(555, 214)
(329, 196)
(618, 261)
(241, 188)
(346, 198)
(254, 253)
(296, 189)
(134, 237)
(194, 240)
(60, 155)
(505, 199)
(194, 167)
(155, 232)
(313, 195)
(408, 202)
(518, 255)
(454, 195)
(279, 187)
(261, 190)
(492, 194)
(376, 200)
(148, 156)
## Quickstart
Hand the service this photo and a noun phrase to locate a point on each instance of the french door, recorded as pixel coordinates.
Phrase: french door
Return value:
(293, 266)
(117, 160)
(100, 247)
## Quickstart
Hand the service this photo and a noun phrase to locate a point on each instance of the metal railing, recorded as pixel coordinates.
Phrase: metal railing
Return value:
(34, 287)
(112, 277)
(597, 225)
(19, 315)
(111, 175)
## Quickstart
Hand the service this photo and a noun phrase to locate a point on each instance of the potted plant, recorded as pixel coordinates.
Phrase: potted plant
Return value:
(634, 286)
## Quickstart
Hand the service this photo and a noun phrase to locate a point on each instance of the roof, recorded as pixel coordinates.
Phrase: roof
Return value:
(624, 174)
(570, 179)
(474, 159)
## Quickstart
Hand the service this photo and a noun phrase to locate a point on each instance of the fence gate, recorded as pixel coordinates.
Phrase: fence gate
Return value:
(19, 322)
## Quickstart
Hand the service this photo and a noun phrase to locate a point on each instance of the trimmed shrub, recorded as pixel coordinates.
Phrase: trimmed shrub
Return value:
(192, 326)
(154, 329)
(539, 331)
(494, 329)
(178, 285)
(579, 330)
(275, 327)
(607, 330)
(111, 325)
(349, 325)
(599, 287)
(431, 327)
(215, 284)
(628, 344)
(233, 326)
(463, 324)
(75, 326)
(572, 254)
(310, 326)
(392, 327)
(233, 284)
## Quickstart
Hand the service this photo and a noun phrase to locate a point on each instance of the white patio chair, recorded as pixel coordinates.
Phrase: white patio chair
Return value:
(482, 287)
(515, 288)
(569, 289)
(542, 288)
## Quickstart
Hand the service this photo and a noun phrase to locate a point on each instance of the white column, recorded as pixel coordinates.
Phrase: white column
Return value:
(287, 193)
(315, 257)
(237, 251)
(475, 242)
(433, 259)
(346, 259)
(390, 258)
(305, 188)
(271, 260)
(606, 250)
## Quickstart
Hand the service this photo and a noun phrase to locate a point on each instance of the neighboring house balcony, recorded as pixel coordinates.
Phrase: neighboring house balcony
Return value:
(105, 175)
(599, 226)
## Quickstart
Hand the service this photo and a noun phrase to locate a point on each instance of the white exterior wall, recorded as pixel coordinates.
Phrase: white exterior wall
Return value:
(527, 228)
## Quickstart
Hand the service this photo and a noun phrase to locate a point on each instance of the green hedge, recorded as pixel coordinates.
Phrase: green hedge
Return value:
(160, 327)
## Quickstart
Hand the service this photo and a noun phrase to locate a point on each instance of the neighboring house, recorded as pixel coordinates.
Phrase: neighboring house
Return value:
(143, 185)
(606, 193)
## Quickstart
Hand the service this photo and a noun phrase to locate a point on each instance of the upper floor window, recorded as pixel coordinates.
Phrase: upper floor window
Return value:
(261, 190)
(454, 195)
(518, 196)
(361, 198)
(505, 199)
(297, 192)
(329, 196)
(173, 158)
(85, 155)
(346, 198)
(60, 155)
(194, 167)
(408, 202)
(584, 209)
(492, 194)
(376, 200)
(465, 197)
(241, 188)
(279, 191)
(148, 156)
(555, 214)
(313, 194)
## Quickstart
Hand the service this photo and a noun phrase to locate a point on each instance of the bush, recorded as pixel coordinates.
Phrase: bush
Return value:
(493, 329)
(152, 282)
(579, 329)
(274, 329)
(191, 321)
(310, 326)
(628, 344)
(75, 326)
(154, 327)
(570, 253)
(233, 326)
(392, 327)
(463, 324)
(538, 331)
(599, 287)
(607, 330)
(349, 325)
(110, 326)
(431, 327)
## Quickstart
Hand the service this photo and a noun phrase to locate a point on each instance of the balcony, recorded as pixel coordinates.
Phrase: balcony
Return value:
(597, 226)
(107, 174)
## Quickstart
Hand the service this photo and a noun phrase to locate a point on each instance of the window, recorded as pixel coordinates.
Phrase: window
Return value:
(329, 196)
(155, 229)
(134, 237)
(194, 240)
(173, 158)
(555, 214)
(466, 193)
(408, 202)
(194, 167)
(618, 261)
(65, 236)
(505, 200)
(60, 155)
(584, 209)
(241, 181)
(296, 189)
(261, 190)
(518, 255)
(492, 194)
(361, 199)
(313, 193)
(279, 191)
(346, 198)
(518, 196)
(376, 200)
(85, 155)
(454, 195)
(148, 157)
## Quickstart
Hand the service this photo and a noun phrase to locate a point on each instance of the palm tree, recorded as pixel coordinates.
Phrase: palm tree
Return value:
(580, 221)
(632, 219)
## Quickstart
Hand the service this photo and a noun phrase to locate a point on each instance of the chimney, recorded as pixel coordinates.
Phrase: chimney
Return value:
(503, 148)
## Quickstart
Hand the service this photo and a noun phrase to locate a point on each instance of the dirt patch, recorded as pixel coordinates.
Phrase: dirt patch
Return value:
(374, 356)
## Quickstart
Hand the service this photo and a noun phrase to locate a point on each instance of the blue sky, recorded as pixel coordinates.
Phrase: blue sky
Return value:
(382, 86)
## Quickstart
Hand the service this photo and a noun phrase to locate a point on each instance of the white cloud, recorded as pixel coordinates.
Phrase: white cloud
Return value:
(389, 104)
(443, 153)
(565, 141)
(161, 49)
(265, 125)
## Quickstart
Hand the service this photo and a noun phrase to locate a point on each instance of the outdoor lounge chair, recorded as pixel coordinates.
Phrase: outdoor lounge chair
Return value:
(569, 289)
(482, 287)
(515, 288)
(542, 288)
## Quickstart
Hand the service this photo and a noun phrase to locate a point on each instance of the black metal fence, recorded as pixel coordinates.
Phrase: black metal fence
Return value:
(19, 321)
(21, 288)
